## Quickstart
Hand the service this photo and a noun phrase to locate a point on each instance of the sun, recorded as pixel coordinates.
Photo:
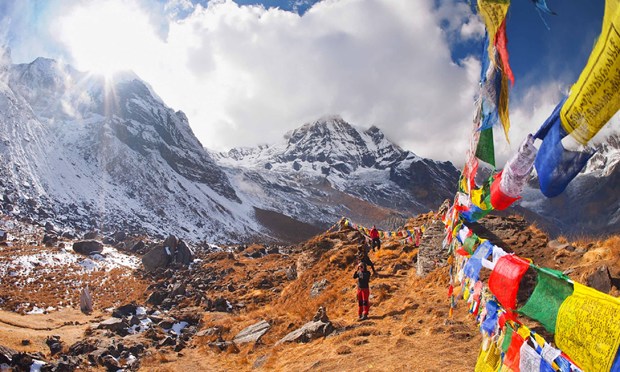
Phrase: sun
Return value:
(104, 37)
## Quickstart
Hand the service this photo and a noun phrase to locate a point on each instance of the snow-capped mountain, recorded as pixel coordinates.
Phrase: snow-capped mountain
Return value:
(86, 152)
(329, 168)
(591, 202)
(92, 153)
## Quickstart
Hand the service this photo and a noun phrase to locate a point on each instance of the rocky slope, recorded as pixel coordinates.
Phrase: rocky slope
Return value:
(328, 168)
(255, 307)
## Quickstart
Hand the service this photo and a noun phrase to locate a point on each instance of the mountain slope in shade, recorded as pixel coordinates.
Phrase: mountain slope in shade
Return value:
(91, 153)
(328, 168)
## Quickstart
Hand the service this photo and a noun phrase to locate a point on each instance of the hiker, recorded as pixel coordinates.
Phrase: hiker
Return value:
(362, 257)
(374, 235)
(363, 290)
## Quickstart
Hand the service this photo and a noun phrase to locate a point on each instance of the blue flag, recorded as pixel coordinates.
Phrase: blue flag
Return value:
(556, 166)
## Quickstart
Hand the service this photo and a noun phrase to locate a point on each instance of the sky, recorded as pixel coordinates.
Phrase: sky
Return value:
(246, 72)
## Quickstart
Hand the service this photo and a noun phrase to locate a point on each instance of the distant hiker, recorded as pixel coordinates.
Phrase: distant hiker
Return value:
(362, 257)
(374, 236)
(363, 291)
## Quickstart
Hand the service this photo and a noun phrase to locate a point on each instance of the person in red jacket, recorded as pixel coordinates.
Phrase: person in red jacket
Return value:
(374, 236)
(363, 291)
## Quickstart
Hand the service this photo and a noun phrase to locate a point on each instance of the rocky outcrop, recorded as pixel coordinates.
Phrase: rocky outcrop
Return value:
(88, 247)
(431, 253)
(252, 333)
(170, 251)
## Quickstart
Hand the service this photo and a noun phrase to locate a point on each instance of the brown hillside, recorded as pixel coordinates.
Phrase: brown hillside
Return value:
(225, 292)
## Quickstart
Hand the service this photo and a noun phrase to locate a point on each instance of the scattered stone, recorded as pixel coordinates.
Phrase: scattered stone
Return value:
(25, 342)
(318, 287)
(113, 324)
(125, 310)
(110, 363)
(167, 341)
(222, 305)
(83, 347)
(156, 298)
(88, 247)
(139, 246)
(6, 354)
(22, 361)
(54, 343)
(119, 236)
(49, 227)
(600, 279)
(252, 333)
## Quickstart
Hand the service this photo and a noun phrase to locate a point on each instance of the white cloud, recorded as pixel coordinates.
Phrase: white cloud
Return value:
(245, 75)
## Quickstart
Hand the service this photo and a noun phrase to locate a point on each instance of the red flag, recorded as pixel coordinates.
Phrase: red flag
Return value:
(500, 45)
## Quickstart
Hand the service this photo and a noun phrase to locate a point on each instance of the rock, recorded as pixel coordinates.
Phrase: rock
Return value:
(224, 346)
(91, 235)
(291, 272)
(25, 342)
(318, 287)
(125, 310)
(113, 324)
(109, 240)
(431, 253)
(49, 239)
(22, 361)
(137, 247)
(222, 305)
(260, 361)
(321, 315)
(171, 242)
(398, 267)
(178, 289)
(83, 347)
(156, 298)
(184, 254)
(308, 332)
(168, 341)
(119, 236)
(252, 333)
(54, 343)
(557, 245)
(86, 301)
(88, 247)
(3, 235)
(49, 227)
(160, 256)
(600, 279)
(110, 363)
(6, 354)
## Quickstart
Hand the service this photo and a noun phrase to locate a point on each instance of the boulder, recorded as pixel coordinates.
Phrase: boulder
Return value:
(54, 343)
(125, 310)
(119, 236)
(49, 227)
(600, 279)
(138, 246)
(91, 235)
(3, 235)
(252, 333)
(86, 301)
(184, 254)
(88, 247)
(308, 332)
(157, 257)
(171, 242)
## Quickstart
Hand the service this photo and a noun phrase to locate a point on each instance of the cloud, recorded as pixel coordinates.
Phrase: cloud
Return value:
(249, 74)
(245, 75)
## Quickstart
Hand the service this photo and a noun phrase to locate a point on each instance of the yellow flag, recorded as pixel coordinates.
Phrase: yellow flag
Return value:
(595, 97)
(503, 106)
(493, 14)
(588, 328)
